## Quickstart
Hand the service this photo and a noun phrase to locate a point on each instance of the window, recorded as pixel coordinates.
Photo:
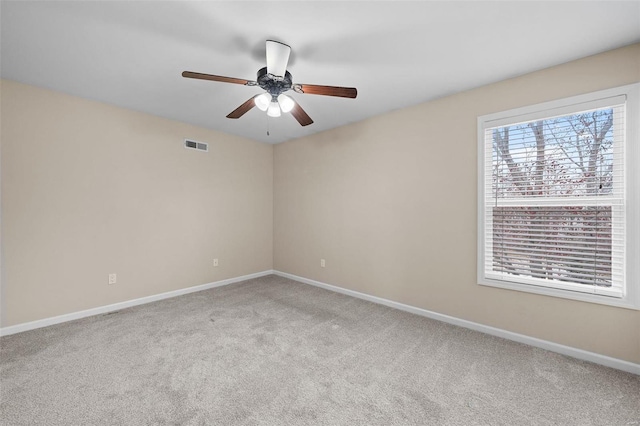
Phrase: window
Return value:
(559, 198)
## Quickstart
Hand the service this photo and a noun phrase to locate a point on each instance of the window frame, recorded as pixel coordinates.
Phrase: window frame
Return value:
(631, 288)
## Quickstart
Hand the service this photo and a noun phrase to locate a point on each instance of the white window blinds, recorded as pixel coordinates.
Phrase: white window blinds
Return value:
(554, 213)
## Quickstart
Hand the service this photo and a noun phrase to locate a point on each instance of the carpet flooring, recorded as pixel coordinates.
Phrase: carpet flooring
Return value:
(271, 351)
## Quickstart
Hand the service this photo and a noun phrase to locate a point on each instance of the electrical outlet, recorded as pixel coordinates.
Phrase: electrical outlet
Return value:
(112, 279)
(322, 263)
(215, 262)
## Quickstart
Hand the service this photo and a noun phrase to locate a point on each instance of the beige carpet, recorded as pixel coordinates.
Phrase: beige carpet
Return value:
(271, 351)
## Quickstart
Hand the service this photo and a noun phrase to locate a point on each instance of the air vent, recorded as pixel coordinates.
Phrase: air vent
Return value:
(200, 146)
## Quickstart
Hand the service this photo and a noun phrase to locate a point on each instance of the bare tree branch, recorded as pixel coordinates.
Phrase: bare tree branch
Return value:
(560, 144)
(502, 140)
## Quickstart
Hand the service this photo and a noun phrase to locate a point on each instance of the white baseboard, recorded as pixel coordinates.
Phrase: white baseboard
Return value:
(19, 328)
(521, 338)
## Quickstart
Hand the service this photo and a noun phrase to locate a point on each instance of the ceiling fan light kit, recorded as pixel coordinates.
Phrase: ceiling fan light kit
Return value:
(274, 79)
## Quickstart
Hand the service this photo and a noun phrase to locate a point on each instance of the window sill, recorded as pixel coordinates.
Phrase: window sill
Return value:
(624, 302)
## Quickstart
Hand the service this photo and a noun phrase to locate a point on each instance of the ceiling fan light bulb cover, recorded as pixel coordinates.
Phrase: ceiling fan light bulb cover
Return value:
(286, 103)
(263, 101)
(274, 110)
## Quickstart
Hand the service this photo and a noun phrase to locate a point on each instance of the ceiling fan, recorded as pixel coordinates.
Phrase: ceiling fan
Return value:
(275, 80)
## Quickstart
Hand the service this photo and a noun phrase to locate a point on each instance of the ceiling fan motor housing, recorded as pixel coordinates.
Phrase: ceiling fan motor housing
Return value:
(274, 85)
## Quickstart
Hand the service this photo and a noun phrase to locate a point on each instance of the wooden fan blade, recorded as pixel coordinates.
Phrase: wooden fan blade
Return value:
(312, 89)
(300, 115)
(200, 76)
(242, 109)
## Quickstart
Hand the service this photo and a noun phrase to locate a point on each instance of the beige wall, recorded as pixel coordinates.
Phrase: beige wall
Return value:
(90, 189)
(390, 203)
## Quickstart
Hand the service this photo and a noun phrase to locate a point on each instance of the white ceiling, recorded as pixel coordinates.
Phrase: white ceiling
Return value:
(397, 54)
